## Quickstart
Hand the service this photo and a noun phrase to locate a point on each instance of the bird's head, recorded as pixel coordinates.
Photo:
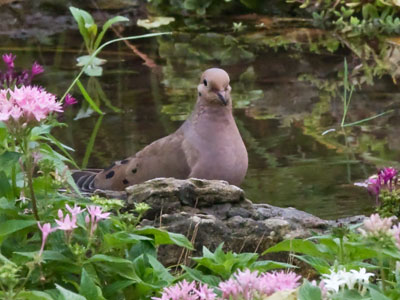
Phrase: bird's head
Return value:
(214, 88)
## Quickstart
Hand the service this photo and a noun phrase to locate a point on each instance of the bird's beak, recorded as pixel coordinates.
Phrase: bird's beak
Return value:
(222, 98)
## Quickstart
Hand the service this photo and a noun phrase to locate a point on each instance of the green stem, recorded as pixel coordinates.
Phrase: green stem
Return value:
(29, 176)
(100, 48)
(14, 173)
(29, 171)
(383, 275)
(341, 250)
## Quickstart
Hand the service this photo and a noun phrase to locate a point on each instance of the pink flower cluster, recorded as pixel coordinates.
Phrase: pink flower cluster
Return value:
(11, 77)
(385, 177)
(27, 104)
(67, 223)
(245, 285)
(375, 226)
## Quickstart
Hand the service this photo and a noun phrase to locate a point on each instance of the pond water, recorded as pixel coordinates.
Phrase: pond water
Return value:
(285, 97)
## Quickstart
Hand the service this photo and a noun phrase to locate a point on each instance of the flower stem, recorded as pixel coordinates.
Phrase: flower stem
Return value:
(32, 192)
(383, 275)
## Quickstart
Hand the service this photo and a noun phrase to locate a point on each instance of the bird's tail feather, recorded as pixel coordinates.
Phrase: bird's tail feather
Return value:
(85, 179)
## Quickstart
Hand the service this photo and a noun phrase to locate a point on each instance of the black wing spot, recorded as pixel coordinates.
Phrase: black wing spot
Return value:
(125, 161)
(205, 82)
(110, 174)
(125, 181)
(134, 170)
(110, 167)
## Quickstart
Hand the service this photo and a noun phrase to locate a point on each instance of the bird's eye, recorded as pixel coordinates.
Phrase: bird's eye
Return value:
(205, 82)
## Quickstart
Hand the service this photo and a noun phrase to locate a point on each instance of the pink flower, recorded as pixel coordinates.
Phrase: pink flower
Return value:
(67, 223)
(205, 293)
(229, 289)
(396, 233)
(46, 230)
(388, 175)
(9, 60)
(278, 281)
(96, 214)
(376, 226)
(180, 291)
(69, 100)
(36, 69)
(27, 104)
(76, 210)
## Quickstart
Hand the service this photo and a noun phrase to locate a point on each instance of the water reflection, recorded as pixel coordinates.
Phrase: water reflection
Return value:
(284, 100)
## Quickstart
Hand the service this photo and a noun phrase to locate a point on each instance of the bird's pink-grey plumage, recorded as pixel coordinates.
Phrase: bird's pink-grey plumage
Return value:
(208, 145)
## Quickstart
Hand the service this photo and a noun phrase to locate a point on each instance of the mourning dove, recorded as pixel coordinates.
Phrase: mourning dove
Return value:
(208, 145)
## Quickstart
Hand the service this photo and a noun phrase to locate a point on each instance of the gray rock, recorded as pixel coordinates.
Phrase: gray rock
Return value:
(211, 212)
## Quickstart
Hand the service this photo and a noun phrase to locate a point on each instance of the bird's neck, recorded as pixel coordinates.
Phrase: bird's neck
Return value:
(212, 108)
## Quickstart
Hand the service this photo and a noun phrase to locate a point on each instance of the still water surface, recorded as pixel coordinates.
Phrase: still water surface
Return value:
(280, 113)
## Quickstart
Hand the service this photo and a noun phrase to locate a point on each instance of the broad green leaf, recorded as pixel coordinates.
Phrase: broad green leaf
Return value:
(88, 59)
(266, 265)
(48, 255)
(12, 226)
(33, 295)
(88, 288)
(161, 271)
(84, 20)
(319, 264)
(5, 187)
(123, 238)
(162, 237)
(117, 286)
(106, 258)
(107, 25)
(154, 22)
(375, 295)
(68, 295)
(8, 159)
(296, 245)
(197, 275)
(309, 292)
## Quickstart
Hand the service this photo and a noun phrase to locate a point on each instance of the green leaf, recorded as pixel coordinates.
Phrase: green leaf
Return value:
(107, 25)
(115, 287)
(160, 270)
(90, 144)
(162, 237)
(319, 264)
(88, 99)
(33, 295)
(197, 275)
(154, 22)
(88, 288)
(8, 159)
(68, 295)
(88, 59)
(266, 265)
(106, 258)
(296, 245)
(375, 295)
(12, 226)
(5, 187)
(48, 255)
(123, 238)
(84, 20)
(309, 292)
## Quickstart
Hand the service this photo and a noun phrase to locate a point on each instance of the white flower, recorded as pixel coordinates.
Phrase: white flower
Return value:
(333, 281)
(336, 280)
(362, 275)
